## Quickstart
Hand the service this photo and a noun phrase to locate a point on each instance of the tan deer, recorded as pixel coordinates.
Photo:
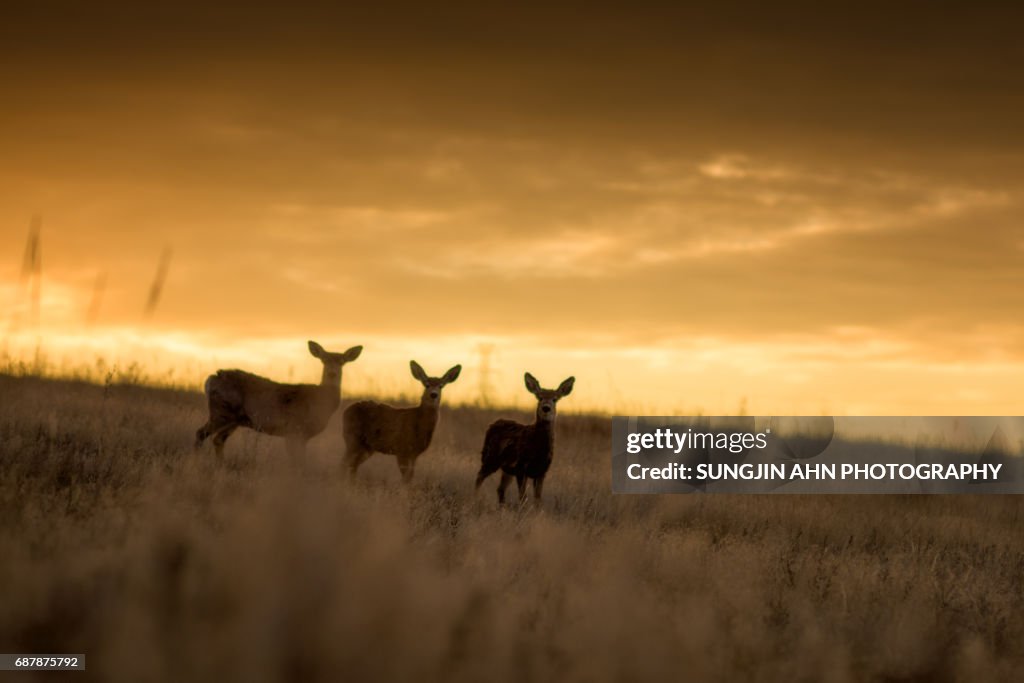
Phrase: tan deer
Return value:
(297, 412)
(523, 451)
(371, 427)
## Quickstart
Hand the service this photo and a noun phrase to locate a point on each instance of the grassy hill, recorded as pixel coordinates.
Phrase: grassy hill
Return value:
(162, 565)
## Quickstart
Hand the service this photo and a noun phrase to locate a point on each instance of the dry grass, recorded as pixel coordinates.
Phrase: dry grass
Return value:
(118, 542)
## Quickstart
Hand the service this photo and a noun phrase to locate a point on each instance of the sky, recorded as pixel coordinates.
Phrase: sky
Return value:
(718, 207)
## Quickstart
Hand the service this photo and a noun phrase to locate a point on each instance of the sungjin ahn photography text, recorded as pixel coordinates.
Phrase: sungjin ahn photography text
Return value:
(534, 342)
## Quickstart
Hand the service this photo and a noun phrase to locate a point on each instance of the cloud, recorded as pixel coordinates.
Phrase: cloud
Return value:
(573, 254)
(664, 215)
(736, 166)
(313, 224)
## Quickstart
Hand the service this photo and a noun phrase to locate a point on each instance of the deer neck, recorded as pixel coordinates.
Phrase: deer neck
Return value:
(427, 412)
(330, 383)
(544, 429)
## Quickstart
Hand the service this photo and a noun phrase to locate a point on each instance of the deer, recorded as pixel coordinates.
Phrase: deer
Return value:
(371, 427)
(523, 451)
(297, 412)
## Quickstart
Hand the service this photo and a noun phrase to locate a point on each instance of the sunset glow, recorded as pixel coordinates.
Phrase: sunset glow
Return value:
(697, 221)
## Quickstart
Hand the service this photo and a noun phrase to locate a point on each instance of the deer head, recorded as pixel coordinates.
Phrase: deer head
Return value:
(333, 362)
(547, 398)
(432, 386)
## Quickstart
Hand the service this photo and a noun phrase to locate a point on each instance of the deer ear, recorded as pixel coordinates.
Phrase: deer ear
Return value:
(452, 374)
(316, 349)
(565, 388)
(417, 371)
(352, 353)
(532, 385)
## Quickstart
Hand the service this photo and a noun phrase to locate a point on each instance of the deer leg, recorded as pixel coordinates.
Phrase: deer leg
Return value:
(485, 471)
(212, 426)
(406, 466)
(201, 434)
(521, 485)
(506, 479)
(538, 485)
(354, 458)
(220, 436)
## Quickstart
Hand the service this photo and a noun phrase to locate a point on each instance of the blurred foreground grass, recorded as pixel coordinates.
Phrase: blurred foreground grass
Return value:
(163, 565)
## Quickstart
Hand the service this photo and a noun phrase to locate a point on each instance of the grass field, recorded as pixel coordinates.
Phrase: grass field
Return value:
(162, 565)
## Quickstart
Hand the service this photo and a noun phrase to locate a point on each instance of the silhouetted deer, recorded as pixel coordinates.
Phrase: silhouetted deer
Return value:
(372, 427)
(523, 451)
(298, 412)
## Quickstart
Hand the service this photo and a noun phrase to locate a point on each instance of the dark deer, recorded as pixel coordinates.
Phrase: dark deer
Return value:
(372, 427)
(297, 412)
(523, 451)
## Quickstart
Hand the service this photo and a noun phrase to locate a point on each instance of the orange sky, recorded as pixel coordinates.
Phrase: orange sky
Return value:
(687, 209)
